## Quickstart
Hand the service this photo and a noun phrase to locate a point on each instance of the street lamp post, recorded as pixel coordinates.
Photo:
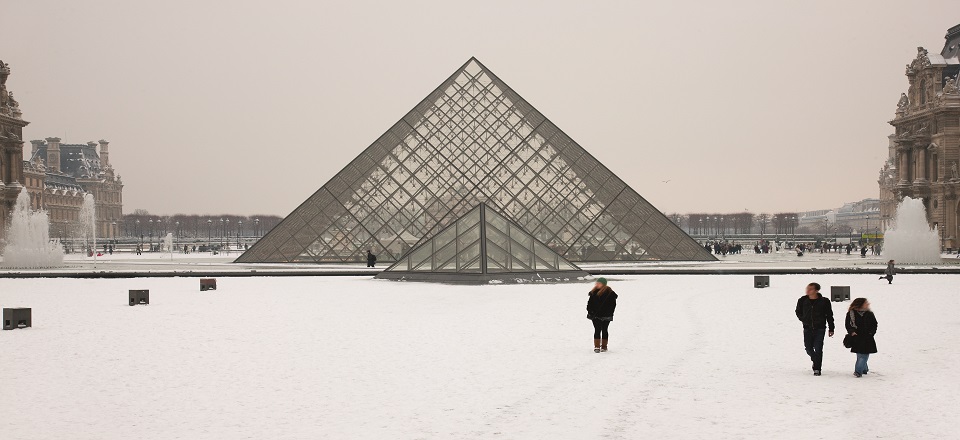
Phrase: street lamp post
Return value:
(239, 232)
(151, 234)
(256, 227)
(209, 223)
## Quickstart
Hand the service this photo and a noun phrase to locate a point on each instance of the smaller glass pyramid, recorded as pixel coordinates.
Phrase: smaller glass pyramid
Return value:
(479, 247)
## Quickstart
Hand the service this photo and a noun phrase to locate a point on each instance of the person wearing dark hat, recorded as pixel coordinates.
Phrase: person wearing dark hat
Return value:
(601, 303)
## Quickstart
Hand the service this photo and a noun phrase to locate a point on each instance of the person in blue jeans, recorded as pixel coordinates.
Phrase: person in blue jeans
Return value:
(816, 314)
(861, 325)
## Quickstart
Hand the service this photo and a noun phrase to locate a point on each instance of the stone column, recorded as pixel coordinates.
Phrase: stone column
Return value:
(53, 154)
(921, 174)
(18, 165)
(903, 169)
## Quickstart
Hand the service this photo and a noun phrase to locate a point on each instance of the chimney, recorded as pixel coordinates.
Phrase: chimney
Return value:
(36, 147)
(53, 154)
(105, 153)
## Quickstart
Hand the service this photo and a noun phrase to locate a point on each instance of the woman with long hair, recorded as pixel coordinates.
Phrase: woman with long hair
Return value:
(861, 327)
(601, 303)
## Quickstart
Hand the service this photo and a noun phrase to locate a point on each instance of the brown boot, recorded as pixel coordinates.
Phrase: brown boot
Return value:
(603, 345)
(596, 346)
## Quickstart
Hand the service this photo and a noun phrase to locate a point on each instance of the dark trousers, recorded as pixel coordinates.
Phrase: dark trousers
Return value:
(813, 343)
(600, 329)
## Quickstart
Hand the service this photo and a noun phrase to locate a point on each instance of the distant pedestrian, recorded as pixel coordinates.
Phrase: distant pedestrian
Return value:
(816, 314)
(371, 259)
(861, 327)
(890, 272)
(601, 303)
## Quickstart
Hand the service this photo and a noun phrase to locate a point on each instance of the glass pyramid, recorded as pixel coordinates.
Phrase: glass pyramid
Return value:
(482, 245)
(473, 140)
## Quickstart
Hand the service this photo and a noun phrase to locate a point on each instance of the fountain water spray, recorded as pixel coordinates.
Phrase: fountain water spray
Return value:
(911, 240)
(168, 242)
(28, 239)
(88, 224)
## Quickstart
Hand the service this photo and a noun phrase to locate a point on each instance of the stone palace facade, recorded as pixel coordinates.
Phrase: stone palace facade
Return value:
(924, 150)
(57, 176)
(11, 150)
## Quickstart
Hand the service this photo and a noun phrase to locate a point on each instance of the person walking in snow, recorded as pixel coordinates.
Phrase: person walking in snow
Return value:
(890, 272)
(861, 327)
(816, 314)
(601, 303)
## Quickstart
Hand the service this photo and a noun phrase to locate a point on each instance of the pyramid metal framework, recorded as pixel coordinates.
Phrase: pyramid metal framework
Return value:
(480, 246)
(474, 140)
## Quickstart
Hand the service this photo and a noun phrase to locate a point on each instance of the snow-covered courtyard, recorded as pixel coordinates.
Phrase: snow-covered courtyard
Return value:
(356, 358)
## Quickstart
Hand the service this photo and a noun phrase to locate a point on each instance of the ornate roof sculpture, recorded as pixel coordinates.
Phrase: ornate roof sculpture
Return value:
(473, 140)
(8, 106)
(479, 247)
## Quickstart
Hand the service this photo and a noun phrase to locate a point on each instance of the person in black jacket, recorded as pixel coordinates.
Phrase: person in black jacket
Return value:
(861, 326)
(816, 314)
(371, 259)
(890, 272)
(601, 303)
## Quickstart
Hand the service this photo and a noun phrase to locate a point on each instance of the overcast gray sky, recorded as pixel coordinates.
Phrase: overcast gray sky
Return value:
(250, 106)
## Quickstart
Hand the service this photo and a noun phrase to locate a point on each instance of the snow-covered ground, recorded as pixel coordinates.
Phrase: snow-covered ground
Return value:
(353, 358)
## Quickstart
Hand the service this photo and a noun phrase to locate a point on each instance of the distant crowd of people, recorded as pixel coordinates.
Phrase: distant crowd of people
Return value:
(766, 246)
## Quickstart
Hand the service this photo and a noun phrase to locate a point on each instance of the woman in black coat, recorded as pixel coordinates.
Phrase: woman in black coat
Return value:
(861, 327)
(601, 303)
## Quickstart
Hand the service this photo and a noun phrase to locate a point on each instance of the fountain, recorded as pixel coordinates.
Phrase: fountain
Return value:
(28, 238)
(87, 224)
(911, 240)
(168, 243)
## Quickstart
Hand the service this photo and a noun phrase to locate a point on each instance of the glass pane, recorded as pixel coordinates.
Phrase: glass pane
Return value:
(444, 259)
(546, 258)
(498, 246)
(468, 260)
(420, 259)
(522, 249)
